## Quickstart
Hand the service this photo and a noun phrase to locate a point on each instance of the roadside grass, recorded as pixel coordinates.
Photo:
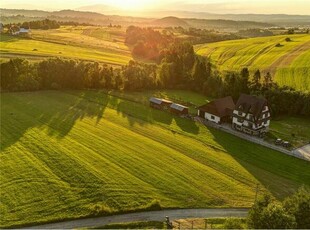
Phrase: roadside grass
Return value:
(72, 154)
(296, 130)
(135, 225)
(208, 223)
(287, 63)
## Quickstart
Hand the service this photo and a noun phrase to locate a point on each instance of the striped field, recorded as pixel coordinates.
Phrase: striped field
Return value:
(70, 154)
(87, 43)
(289, 63)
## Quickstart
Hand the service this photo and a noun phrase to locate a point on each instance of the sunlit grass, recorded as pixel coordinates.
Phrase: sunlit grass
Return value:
(65, 152)
(69, 42)
(288, 63)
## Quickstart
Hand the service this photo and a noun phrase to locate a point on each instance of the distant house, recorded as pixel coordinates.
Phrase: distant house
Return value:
(178, 109)
(21, 32)
(218, 110)
(159, 103)
(251, 115)
(24, 32)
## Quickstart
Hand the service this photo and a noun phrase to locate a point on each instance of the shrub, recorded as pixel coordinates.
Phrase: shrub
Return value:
(233, 223)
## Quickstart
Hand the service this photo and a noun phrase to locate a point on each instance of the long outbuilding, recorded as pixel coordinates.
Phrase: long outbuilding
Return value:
(160, 103)
(178, 109)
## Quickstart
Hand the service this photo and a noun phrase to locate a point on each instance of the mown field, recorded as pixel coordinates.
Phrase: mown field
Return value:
(288, 63)
(70, 154)
(87, 43)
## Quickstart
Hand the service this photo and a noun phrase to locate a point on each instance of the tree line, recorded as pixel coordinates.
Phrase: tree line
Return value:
(44, 24)
(178, 67)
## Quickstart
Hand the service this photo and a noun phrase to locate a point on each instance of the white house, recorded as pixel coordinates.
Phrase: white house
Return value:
(21, 32)
(217, 111)
(251, 115)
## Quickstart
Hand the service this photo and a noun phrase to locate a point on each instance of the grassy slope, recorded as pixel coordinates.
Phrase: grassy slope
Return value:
(294, 129)
(288, 63)
(64, 152)
(69, 42)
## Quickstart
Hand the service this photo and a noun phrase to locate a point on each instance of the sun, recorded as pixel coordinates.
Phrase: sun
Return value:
(131, 4)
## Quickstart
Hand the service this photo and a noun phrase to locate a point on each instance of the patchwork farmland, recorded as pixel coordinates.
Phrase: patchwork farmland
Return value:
(287, 61)
(70, 154)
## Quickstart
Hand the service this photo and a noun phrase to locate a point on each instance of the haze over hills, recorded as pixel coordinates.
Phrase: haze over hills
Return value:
(15, 16)
(181, 10)
(203, 11)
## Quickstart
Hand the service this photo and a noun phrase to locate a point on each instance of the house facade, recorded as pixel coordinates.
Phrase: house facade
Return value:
(251, 115)
(218, 111)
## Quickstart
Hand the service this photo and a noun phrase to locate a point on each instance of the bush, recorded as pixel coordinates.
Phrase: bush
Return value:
(233, 223)
(288, 40)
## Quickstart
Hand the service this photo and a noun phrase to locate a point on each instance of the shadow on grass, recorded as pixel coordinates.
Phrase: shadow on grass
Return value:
(280, 174)
(59, 115)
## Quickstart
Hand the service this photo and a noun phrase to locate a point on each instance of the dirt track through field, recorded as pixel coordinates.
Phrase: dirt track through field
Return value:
(288, 58)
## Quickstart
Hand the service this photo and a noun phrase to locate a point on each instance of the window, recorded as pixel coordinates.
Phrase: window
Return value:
(240, 120)
(239, 113)
(212, 117)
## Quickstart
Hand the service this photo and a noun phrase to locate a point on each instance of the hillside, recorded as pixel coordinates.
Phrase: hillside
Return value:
(170, 21)
(15, 16)
(288, 62)
(88, 43)
(69, 154)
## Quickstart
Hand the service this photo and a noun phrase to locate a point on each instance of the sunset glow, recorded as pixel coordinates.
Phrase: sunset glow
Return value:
(131, 4)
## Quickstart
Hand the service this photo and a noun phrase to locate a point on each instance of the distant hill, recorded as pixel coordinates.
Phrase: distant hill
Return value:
(170, 21)
(225, 24)
(99, 8)
(288, 64)
(14, 16)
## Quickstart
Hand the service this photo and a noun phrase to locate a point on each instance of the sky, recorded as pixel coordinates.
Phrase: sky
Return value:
(212, 6)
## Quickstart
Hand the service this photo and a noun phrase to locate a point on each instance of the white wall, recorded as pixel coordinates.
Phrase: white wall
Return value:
(216, 119)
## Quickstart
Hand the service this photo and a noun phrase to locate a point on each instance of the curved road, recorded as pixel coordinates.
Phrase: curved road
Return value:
(144, 216)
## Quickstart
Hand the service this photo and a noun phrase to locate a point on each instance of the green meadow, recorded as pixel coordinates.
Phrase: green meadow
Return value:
(72, 154)
(87, 43)
(288, 62)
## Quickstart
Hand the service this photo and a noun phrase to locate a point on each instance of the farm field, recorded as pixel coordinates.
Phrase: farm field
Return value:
(288, 63)
(87, 43)
(70, 154)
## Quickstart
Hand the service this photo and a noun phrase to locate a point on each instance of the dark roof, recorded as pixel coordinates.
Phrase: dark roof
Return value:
(178, 107)
(220, 107)
(248, 103)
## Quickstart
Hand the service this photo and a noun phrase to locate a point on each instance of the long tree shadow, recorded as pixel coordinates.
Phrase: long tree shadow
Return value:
(87, 104)
(279, 173)
(20, 112)
(187, 125)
